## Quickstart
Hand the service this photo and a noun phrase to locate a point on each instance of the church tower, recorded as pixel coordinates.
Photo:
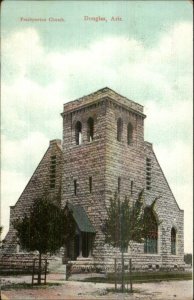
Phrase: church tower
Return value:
(104, 152)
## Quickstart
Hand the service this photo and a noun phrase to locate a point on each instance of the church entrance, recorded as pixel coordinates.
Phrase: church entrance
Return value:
(86, 244)
(82, 245)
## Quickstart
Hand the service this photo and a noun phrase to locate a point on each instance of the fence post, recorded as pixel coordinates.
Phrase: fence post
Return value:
(0, 288)
(115, 274)
(45, 271)
(122, 272)
(130, 270)
(33, 271)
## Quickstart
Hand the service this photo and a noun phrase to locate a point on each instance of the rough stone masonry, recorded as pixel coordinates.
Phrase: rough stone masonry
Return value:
(103, 151)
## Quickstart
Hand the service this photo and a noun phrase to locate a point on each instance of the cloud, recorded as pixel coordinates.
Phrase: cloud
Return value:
(177, 43)
(31, 107)
(23, 155)
(168, 120)
(19, 160)
(22, 49)
(176, 160)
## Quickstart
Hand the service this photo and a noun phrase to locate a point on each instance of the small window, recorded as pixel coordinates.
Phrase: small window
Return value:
(173, 241)
(131, 187)
(90, 132)
(90, 184)
(78, 133)
(52, 171)
(119, 129)
(129, 133)
(148, 173)
(75, 187)
(119, 184)
(53, 166)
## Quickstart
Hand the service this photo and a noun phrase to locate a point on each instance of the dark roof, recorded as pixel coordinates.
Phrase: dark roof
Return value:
(81, 218)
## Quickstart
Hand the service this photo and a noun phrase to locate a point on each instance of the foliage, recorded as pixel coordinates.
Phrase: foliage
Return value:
(46, 228)
(126, 222)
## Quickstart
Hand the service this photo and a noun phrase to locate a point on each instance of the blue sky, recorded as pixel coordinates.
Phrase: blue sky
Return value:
(146, 57)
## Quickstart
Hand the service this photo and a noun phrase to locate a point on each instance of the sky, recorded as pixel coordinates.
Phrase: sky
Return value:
(145, 56)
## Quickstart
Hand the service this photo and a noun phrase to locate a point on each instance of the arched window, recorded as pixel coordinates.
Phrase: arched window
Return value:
(90, 132)
(119, 129)
(151, 240)
(129, 133)
(173, 241)
(78, 133)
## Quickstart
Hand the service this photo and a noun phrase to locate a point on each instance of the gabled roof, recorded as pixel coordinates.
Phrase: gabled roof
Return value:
(81, 218)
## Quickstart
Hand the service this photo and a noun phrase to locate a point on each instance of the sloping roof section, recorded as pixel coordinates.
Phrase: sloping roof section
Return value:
(81, 218)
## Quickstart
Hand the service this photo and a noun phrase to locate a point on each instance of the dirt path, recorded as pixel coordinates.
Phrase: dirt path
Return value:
(71, 290)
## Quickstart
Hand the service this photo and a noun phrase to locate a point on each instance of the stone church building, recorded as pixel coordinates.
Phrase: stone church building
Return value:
(103, 151)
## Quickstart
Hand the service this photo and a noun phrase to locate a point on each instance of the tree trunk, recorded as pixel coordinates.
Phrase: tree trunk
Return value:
(122, 272)
(130, 268)
(39, 268)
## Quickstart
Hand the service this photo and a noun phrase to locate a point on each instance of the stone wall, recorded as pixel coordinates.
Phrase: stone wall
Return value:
(38, 186)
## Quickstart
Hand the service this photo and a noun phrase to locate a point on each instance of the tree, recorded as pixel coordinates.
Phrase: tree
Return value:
(45, 228)
(126, 222)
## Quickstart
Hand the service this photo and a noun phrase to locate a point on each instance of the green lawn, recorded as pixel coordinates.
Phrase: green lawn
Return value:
(23, 285)
(143, 277)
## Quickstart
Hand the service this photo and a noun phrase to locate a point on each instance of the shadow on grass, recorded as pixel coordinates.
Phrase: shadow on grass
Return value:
(23, 285)
(119, 290)
(141, 277)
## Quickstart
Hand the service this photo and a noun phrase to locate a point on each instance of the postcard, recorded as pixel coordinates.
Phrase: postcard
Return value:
(96, 118)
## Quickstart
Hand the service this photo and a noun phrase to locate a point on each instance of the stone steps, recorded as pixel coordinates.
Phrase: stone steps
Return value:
(56, 266)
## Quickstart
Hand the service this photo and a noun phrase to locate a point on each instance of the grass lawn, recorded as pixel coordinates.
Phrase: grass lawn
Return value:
(142, 277)
(23, 285)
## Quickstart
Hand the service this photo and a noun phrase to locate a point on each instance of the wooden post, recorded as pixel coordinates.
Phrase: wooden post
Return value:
(130, 269)
(115, 274)
(33, 272)
(45, 271)
(39, 267)
(122, 272)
